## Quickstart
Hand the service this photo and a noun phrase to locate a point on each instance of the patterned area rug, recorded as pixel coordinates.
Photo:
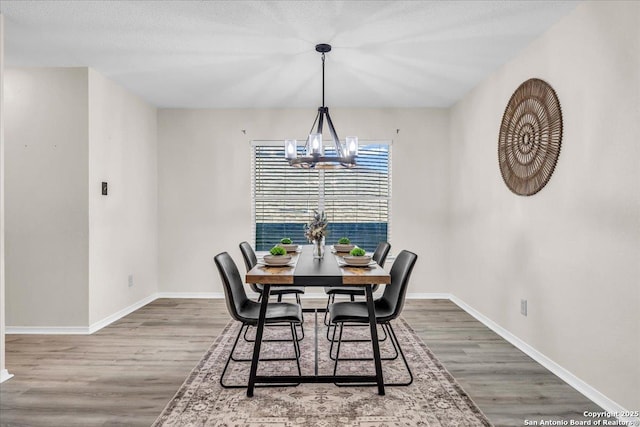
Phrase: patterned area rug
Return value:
(433, 399)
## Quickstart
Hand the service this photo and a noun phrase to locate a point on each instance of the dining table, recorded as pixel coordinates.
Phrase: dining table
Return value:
(309, 271)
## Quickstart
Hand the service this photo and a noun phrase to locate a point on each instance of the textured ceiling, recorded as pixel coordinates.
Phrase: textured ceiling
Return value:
(260, 54)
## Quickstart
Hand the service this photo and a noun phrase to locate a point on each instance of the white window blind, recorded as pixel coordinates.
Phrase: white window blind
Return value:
(356, 201)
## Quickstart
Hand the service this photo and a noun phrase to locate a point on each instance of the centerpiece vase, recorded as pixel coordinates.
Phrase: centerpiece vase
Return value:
(318, 248)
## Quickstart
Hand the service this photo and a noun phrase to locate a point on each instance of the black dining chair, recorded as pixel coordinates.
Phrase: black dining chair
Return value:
(246, 311)
(387, 308)
(380, 257)
(250, 261)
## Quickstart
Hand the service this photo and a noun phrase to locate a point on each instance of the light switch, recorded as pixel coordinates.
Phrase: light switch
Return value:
(104, 188)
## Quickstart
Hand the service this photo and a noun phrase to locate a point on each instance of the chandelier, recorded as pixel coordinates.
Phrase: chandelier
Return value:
(314, 150)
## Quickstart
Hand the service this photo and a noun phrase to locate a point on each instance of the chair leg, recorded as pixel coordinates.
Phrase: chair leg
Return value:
(325, 320)
(396, 344)
(329, 326)
(275, 359)
(394, 357)
(302, 323)
(356, 325)
(296, 349)
(332, 340)
(329, 331)
(294, 334)
(392, 334)
(226, 365)
(330, 300)
(335, 365)
(247, 339)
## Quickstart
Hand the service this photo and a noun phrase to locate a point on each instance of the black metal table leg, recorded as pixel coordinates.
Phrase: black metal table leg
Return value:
(374, 339)
(258, 342)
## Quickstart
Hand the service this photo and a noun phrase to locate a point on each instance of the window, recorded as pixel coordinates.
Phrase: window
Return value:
(356, 201)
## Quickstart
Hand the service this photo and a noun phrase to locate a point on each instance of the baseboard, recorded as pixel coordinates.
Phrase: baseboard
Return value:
(189, 295)
(582, 387)
(79, 330)
(4, 375)
(47, 330)
(418, 295)
(94, 327)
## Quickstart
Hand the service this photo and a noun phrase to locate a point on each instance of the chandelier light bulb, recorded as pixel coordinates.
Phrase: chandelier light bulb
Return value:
(352, 145)
(315, 145)
(290, 149)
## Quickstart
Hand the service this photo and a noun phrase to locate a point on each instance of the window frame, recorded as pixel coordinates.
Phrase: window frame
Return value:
(321, 196)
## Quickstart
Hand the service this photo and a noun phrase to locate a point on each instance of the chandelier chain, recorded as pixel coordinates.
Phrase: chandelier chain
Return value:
(323, 79)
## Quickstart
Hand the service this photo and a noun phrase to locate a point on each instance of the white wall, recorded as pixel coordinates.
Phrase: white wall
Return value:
(123, 227)
(46, 132)
(572, 250)
(205, 194)
(70, 250)
(4, 374)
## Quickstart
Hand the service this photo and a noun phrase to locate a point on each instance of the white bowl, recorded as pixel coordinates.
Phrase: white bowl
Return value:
(357, 260)
(288, 248)
(343, 248)
(277, 259)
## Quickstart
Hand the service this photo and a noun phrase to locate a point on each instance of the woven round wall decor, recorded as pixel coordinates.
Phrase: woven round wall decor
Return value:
(530, 137)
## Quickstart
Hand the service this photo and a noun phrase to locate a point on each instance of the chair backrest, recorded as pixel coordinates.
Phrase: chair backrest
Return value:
(234, 292)
(380, 256)
(250, 261)
(395, 292)
(381, 252)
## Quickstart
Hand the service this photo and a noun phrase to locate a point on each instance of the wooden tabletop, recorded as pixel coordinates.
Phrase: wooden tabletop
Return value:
(307, 271)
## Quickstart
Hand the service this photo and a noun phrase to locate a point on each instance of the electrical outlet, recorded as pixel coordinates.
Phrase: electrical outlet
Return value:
(130, 280)
(523, 307)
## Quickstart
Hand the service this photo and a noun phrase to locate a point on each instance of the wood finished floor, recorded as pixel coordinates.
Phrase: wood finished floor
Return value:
(124, 374)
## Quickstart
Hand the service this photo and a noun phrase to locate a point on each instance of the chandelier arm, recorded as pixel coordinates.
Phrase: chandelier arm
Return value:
(321, 113)
(334, 135)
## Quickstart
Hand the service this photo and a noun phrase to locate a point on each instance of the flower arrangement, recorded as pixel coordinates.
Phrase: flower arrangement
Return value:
(317, 228)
